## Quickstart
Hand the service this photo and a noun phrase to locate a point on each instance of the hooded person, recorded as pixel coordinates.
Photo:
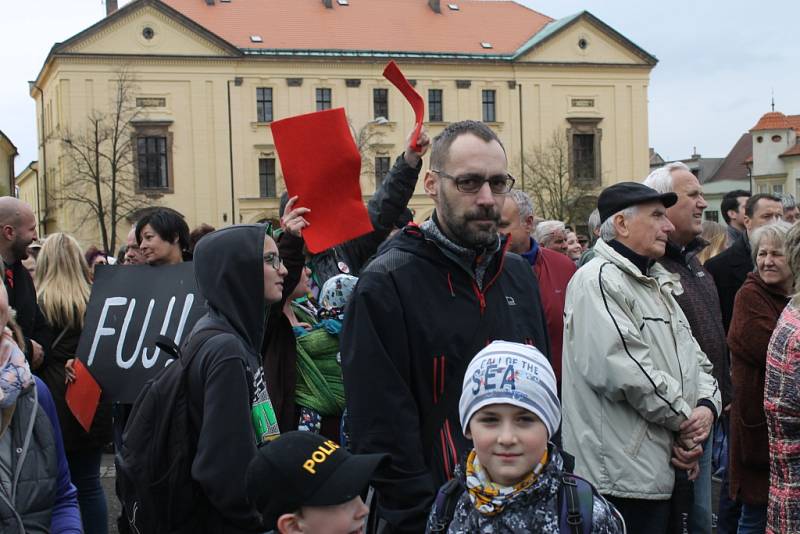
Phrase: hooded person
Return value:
(240, 273)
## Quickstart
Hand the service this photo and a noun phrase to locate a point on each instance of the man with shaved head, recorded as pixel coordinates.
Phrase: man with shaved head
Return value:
(17, 231)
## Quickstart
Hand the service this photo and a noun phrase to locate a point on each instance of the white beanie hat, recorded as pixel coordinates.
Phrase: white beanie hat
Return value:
(511, 373)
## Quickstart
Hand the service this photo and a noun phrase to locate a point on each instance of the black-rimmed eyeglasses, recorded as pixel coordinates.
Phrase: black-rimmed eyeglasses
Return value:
(471, 183)
(270, 258)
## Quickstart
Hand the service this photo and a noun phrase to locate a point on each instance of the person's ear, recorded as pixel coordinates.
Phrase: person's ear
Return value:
(734, 212)
(289, 524)
(8, 232)
(622, 225)
(431, 184)
(748, 222)
(528, 224)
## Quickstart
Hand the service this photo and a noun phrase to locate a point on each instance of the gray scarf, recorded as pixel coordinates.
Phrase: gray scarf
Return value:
(474, 262)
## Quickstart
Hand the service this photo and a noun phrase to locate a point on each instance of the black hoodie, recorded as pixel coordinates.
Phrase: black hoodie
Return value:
(228, 265)
(414, 321)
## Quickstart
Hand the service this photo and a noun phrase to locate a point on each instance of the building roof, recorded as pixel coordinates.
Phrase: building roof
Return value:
(733, 166)
(775, 120)
(309, 25)
(491, 29)
(12, 150)
(793, 151)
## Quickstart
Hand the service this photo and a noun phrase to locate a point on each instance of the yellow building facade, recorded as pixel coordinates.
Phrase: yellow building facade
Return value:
(201, 139)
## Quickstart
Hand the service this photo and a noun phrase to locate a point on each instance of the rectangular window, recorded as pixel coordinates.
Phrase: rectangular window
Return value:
(381, 169)
(435, 113)
(152, 162)
(583, 156)
(264, 104)
(266, 177)
(763, 189)
(380, 103)
(712, 215)
(323, 99)
(777, 189)
(488, 101)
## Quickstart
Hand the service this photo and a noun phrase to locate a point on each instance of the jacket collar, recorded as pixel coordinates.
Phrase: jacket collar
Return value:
(683, 255)
(532, 253)
(772, 290)
(655, 272)
(640, 262)
(475, 262)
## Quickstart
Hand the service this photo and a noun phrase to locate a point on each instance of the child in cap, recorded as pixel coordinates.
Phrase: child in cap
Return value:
(513, 481)
(304, 483)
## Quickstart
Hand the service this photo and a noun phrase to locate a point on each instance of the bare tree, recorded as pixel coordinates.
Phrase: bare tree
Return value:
(100, 180)
(556, 195)
(366, 138)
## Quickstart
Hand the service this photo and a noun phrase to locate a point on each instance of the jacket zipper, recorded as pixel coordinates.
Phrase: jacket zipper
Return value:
(482, 294)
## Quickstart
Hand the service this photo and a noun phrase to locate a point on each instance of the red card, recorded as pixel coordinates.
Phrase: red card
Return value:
(322, 166)
(393, 74)
(83, 395)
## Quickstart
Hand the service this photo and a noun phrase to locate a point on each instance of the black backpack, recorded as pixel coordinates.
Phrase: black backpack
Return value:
(575, 503)
(154, 481)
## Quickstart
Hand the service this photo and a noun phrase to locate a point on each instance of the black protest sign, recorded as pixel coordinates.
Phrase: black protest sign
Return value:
(130, 306)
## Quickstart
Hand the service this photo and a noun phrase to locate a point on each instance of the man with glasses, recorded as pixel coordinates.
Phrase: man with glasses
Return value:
(432, 298)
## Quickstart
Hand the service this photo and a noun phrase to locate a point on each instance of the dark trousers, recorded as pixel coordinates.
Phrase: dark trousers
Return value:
(84, 467)
(642, 516)
(728, 510)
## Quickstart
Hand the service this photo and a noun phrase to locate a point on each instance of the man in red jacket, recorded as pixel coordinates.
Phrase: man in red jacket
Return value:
(552, 269)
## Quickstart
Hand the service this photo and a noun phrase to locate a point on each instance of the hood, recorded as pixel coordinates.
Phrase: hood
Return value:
(229, 268)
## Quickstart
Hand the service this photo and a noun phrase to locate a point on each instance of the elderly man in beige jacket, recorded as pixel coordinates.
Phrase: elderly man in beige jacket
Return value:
(638, 394)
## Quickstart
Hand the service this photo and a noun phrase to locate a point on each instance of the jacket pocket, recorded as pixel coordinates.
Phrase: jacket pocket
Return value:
(632, 449)
(754, 442)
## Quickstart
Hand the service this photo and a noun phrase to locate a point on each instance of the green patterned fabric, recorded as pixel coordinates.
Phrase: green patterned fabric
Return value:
(319, 374)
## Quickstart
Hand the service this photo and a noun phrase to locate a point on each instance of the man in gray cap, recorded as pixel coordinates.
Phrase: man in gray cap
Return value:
(635, 383)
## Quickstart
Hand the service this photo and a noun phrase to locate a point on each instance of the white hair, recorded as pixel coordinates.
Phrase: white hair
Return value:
(661, 178)
(774, 233)
(607, 230)
(545, 230)
(523, 201)
(593, 223)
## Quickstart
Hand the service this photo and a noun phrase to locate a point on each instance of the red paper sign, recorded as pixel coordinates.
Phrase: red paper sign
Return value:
(393, 74)
(83, 395)
(321, 165)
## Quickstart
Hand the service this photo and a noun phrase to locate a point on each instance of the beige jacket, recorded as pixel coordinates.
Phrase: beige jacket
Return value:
(632, 373)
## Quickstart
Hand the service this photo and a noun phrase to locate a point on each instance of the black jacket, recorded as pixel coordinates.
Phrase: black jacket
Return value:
(228, 266)
(729, 269)
(414, 321)
(22, 297)
(384, 208)
(54, 375)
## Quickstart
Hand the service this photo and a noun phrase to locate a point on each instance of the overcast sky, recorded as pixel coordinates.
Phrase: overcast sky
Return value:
(719, 61)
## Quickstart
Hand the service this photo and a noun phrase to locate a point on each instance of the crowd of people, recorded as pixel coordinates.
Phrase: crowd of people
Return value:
(481, 371)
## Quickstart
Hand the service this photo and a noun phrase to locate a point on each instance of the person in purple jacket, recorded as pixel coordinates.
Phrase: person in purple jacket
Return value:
(36, 495)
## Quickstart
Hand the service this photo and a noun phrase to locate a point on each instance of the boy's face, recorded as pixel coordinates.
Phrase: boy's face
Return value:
(509, 441)
(345, 518)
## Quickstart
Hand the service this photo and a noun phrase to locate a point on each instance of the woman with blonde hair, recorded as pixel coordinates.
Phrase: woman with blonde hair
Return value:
(62, 290)
(717, 237)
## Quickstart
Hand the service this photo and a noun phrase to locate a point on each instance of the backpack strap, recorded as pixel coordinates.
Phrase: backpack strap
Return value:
(575, 504)
(444, 506)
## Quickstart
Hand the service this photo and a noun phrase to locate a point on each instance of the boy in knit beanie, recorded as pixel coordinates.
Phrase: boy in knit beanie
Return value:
(513, 479)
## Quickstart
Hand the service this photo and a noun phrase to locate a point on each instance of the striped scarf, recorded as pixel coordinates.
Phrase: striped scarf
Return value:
(490, 498)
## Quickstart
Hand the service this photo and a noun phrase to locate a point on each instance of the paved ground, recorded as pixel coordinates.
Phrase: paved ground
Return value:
(107, 474)
(107, 477)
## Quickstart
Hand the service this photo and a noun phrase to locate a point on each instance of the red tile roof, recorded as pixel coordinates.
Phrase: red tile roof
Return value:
(775, 120)
(376, 25)
(793, 151)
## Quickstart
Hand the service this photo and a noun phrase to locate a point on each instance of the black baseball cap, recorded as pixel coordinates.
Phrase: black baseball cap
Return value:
(305, 469)
(623, 195)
